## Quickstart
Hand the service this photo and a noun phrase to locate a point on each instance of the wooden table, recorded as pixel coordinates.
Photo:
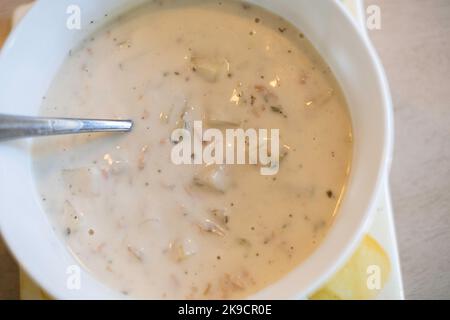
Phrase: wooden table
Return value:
(414, 45)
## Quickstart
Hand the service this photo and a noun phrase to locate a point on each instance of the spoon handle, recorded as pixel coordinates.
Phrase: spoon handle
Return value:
(12, 126)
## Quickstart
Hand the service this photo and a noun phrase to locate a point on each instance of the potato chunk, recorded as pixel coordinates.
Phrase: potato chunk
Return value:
(209, 69)
(180, 250)
(213, 177)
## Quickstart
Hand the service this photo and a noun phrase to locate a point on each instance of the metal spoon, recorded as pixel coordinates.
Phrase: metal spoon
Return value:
(12, 126)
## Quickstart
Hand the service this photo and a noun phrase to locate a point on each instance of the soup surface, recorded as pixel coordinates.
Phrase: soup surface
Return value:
(153, 229)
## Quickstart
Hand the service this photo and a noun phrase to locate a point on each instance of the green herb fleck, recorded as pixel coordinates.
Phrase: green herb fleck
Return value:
(278, 109)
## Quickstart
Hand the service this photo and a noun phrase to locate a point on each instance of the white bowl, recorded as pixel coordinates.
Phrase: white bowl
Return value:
(37, 47)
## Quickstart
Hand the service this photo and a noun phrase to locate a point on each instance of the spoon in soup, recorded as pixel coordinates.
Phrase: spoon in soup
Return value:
(12, 126)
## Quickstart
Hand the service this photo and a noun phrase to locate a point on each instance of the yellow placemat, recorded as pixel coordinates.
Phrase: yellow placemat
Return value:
(363, 276)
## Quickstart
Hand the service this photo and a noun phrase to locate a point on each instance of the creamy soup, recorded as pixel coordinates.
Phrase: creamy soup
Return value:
(153, 229)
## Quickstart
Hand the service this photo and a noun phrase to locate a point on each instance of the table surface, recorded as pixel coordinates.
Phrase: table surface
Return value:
(414, 45)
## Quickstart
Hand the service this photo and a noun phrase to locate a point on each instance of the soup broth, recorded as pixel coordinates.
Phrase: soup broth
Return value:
(153, 229)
